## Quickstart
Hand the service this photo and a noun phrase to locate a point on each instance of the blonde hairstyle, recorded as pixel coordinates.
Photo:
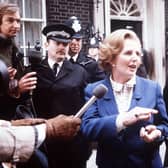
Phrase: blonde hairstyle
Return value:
(113, 45)
(7, 8)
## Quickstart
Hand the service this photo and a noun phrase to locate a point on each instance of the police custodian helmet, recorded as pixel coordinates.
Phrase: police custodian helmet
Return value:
(75, 23)
(94, 42)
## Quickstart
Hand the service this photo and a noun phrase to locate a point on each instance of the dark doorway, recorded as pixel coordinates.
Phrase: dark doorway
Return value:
(136, 26)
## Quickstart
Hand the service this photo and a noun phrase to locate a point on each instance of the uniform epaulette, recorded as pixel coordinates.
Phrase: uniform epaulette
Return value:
(83, 63)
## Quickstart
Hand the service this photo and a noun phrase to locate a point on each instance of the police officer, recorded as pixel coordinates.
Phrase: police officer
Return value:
(60, 89)
(93, 49)
(76, 54)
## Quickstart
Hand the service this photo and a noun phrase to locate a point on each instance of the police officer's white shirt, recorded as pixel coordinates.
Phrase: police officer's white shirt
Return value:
(74, 57)
(52, 62)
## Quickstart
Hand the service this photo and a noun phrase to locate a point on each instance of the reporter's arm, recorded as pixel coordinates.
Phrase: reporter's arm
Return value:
(22, 137)
(19, 142)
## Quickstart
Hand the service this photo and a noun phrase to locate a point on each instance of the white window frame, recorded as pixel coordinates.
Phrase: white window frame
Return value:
(24, 19)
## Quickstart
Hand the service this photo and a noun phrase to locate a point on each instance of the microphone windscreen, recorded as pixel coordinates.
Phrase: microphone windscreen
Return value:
(100, 91)
(34, 57)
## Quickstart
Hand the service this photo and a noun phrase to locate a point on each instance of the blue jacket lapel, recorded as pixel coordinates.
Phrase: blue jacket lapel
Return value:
(109, 96)
(137, 94)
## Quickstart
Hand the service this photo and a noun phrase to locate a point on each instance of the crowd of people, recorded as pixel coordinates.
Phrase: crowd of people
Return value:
(128, 124)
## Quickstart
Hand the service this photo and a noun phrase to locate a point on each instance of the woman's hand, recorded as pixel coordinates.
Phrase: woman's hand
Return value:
(150, 133)
(137, 114)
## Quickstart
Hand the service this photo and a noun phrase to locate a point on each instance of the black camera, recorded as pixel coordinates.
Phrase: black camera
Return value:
(34, 56)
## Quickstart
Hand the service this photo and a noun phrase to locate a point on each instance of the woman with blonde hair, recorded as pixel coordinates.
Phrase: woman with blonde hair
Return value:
(130, 121)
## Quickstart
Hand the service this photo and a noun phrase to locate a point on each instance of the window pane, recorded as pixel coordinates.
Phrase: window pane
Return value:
(33, 9)
(30, 27)
(10, 1)
(19, 39)
(18, 2)
(32, 32)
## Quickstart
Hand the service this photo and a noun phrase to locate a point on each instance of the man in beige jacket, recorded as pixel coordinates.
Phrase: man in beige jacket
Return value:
(19, 138)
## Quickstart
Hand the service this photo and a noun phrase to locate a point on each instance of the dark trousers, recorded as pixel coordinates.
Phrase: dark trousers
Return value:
(37, 160)
(67, 164)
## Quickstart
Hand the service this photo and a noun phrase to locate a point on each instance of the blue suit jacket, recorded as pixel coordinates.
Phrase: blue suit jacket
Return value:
(125, 149)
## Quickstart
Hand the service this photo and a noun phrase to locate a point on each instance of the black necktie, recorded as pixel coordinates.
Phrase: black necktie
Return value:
(72, 60)
(55, 66)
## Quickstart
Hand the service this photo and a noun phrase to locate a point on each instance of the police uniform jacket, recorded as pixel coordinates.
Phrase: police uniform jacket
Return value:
(94, 71)
(61, 94)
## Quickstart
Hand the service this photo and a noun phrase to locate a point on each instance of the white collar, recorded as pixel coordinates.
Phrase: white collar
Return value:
(74, 57)
(51, 63)
(119, 86)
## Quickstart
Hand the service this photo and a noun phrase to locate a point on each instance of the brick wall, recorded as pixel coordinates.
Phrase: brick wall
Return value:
(60, 10)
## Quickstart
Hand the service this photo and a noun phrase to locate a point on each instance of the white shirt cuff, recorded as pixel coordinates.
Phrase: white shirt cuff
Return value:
(119, 123)
(41, 129)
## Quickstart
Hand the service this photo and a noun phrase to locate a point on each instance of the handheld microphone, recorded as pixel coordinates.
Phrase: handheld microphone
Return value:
(98, 93)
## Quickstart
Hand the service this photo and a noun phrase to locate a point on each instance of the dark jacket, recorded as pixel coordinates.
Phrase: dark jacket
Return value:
(94, 71)
(62, 95)
(10, 54)
(165, 96)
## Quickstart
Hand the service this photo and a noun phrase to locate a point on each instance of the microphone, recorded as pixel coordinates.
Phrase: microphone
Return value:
(98, 93)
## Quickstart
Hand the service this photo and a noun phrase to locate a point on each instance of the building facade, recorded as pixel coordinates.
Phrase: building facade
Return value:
(148, 18)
